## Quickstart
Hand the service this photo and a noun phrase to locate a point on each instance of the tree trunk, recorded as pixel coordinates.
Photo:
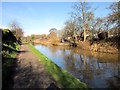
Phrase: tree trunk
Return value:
(84, 27)
(75, 36)
(84, 33)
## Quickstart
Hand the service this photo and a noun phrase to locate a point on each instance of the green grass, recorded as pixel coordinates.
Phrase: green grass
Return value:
(62, 77)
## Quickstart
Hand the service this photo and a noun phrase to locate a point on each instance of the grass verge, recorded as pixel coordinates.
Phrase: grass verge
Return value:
(62, 77)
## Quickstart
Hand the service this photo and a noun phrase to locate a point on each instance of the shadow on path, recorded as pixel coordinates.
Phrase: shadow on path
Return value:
(28, 72)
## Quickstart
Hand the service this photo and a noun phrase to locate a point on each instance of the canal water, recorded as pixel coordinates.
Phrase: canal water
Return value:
(97, 70)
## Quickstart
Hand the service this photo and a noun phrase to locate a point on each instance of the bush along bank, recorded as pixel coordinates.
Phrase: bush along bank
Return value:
(101, 46)
(10, 49)
(62, 77)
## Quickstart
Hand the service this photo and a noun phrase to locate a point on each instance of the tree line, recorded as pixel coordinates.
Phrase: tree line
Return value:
(82, 26)
(83, 21)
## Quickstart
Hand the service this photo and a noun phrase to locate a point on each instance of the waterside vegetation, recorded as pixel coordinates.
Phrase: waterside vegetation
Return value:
(10, 49)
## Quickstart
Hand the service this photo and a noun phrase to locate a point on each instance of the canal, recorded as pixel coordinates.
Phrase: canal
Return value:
(97, 70)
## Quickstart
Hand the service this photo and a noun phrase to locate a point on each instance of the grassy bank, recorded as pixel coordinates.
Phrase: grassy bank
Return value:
(62, 77)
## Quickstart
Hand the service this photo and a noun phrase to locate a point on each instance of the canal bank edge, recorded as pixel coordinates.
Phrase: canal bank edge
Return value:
(62, 77)
(102, 46)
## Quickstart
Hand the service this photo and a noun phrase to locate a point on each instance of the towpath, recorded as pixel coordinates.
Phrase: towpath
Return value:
(30, 72)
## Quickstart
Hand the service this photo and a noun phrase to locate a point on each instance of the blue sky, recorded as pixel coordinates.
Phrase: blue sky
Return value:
(40, 17)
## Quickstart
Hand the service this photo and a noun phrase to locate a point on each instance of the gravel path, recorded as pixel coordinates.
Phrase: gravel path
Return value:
(30, 72)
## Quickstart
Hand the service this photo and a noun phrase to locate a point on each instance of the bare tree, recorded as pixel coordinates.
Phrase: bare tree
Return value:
(53, 30)
(17, 30)
(69, 28)
(84, 15)
(114, 17)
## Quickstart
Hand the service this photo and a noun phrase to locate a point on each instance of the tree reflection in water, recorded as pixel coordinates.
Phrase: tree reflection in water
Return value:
(96, 69)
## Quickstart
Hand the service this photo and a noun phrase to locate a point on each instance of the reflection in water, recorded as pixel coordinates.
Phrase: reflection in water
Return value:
(96, 69)
(53, 50)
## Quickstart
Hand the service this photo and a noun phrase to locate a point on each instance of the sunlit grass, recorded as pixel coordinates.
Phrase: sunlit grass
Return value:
(62, 77)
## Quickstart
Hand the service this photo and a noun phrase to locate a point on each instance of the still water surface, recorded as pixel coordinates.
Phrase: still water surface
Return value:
(97, 70)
